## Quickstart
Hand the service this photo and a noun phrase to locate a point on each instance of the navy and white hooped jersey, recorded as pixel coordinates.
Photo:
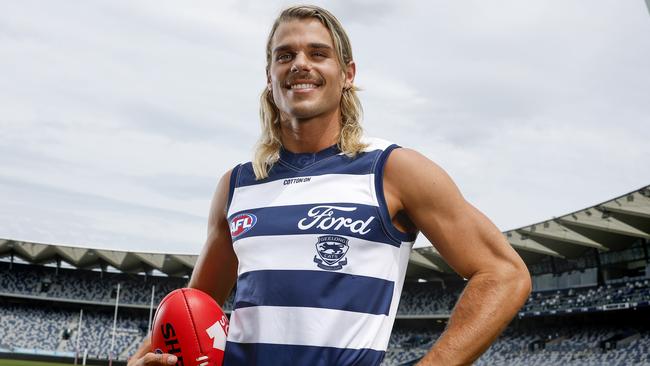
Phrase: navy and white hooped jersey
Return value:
(321, 266)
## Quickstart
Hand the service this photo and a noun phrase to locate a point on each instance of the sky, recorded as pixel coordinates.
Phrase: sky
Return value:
(117, 118)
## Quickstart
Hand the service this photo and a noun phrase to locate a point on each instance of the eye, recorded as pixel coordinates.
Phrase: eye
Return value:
(284, 57)
(320, 54)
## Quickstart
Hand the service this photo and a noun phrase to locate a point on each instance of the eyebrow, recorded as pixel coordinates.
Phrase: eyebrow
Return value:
(311, 45)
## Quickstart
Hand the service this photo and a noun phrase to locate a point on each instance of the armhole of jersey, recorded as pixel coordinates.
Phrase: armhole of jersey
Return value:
(394, 232)
(234, 179)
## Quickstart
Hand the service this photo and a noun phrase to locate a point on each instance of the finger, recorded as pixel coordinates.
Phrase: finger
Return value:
(151, 359)
(159, 359)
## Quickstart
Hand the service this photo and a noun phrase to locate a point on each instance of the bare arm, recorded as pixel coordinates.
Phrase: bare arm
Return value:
(499, 282)
(215, 270)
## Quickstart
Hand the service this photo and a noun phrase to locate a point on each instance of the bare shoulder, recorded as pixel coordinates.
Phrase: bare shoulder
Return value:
(224, 181)
(417, 180)
(408, 161)
(221, 196)
(437, 208)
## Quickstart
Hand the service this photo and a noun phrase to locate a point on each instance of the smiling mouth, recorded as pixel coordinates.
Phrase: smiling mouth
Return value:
(302, 86)
(302, 82)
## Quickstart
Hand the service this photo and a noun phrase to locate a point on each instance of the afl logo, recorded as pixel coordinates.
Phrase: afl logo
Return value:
(241, 224)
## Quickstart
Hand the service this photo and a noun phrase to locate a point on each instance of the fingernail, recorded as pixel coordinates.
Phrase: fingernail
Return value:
(172, 360)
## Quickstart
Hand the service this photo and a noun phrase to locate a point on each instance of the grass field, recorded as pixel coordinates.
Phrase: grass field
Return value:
(5, 362)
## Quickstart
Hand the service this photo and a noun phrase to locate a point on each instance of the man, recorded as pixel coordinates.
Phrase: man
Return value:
(317, 230)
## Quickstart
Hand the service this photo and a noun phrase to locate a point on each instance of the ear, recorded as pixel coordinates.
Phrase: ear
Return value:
(268, 82)
(350, 71)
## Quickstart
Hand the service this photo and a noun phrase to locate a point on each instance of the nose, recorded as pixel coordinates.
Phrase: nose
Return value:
(300, 63)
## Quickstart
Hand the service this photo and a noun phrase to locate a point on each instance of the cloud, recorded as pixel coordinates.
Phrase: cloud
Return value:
(122, 116)
(73, 218)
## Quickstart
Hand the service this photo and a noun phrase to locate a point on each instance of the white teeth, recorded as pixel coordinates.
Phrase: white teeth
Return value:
(303, 86)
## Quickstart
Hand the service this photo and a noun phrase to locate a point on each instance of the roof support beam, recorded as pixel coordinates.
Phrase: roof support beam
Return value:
(30, 250)
(114, 258)
(186, 259)
(634, 204)
(154, 260)
(422, 261)
(72, 255)
(522, 242)
(594, 219)
(554, 231)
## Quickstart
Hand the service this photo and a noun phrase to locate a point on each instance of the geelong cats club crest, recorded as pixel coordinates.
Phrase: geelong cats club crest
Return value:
(331, 250)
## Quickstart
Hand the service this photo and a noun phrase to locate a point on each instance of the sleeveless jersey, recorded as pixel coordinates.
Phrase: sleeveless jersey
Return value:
(321, 266)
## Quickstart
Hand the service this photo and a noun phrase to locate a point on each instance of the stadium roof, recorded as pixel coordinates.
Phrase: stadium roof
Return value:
(613, 224)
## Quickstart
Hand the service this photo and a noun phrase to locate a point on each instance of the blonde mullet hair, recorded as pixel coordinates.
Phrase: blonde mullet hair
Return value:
(267, 151)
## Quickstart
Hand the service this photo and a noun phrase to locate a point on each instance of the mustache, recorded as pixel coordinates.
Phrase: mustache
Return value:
(304, 77)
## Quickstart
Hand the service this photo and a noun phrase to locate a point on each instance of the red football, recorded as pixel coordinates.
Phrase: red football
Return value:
(190, 324)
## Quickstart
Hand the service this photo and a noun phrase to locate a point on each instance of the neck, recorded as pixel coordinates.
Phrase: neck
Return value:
(311, 135)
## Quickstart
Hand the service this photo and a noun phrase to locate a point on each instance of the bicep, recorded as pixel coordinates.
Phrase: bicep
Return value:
(215, 271)
(466, 239)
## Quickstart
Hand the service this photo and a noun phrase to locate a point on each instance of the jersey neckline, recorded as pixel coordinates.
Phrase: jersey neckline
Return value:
(303, 160)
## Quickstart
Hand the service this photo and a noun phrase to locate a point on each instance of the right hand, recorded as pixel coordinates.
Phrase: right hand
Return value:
(154, 359)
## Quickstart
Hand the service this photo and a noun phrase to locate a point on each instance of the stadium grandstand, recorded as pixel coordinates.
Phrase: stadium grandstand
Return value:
(590, 303)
